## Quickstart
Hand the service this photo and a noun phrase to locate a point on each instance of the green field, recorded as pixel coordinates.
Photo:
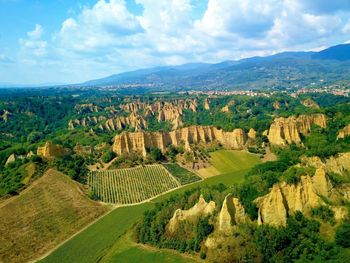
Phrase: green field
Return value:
(103, 238)
(131, 185)
(135, 254)
(94, 242)
(183, 175)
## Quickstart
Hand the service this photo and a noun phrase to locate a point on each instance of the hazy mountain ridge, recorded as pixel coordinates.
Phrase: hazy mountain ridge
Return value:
(278, 70)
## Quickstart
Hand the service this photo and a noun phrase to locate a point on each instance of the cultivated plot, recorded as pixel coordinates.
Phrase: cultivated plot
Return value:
(131, 185)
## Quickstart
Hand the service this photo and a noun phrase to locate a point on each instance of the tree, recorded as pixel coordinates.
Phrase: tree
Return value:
(108, 156)
(156, 154)
(342, 235)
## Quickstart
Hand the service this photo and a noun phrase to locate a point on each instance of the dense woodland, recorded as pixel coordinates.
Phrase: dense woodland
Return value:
(43, 116)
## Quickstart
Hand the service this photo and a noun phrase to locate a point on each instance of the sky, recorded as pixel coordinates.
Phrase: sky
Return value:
(64, 41)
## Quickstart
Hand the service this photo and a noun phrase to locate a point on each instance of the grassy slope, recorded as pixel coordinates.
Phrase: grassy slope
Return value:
(229, 164)
(100, 239)
(51, 210)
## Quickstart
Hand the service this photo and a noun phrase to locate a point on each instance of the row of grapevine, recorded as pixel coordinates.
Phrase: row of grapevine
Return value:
(131, 185)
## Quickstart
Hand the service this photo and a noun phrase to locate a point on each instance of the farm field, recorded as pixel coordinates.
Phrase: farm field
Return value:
(94, 242)
(229, 162)
(131, 185)
(125, 250)
(51, 210)
(104, 236)
(183, 175)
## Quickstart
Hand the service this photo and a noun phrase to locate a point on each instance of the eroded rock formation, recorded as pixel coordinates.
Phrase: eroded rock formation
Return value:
(345, 132)
(309, 103)
(86, 108)
(51, 150)
(110, 124)
(252, 134)
(10, 159)
(335, 164)
(227, 107)
(285, 199)
(202, 208)
(232, 213)
(4, 115)
(141, 141)
(284, 131)
(206, 104)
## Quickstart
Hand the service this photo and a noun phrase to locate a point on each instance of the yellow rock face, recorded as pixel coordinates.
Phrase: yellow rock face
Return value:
(335, 164)
(50, 150)
(140, 141)
(276, 105)
(284, 131)
(232, 213)
(89, 107)
(309, 103)
(344, 132)
(252, 134)
(202, 208)
(206, 104)
(4, 115)
(285, 199)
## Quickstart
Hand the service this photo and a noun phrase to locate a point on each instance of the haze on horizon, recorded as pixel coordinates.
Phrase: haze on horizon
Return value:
(69, 41)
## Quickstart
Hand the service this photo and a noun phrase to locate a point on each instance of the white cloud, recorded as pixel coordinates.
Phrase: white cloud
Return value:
(107, 38)
(34, 45)
(346, 28)
(36, 33)
(105, 24)
(244, 18)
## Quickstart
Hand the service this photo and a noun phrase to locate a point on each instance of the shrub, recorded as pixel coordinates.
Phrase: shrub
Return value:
(323, 212)
(108, 156)
(342, 235)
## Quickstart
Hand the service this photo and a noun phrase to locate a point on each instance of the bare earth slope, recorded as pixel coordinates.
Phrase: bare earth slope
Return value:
(42, 216)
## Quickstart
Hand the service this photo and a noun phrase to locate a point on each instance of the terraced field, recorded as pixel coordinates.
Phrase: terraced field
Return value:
(131, 185)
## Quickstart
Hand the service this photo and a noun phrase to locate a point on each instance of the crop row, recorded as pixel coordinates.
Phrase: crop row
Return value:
(131, 185)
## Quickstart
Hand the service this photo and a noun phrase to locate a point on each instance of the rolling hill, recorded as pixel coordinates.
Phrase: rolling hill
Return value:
(287, 69)
(51, 210)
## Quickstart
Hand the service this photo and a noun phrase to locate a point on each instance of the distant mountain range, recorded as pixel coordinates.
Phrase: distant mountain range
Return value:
(282, 70)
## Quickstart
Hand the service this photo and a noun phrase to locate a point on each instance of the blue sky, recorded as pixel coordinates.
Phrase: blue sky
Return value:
(64, 41)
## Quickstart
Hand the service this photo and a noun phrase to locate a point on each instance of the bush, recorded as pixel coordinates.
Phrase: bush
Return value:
(293, 174)
(338, 179)
(323, 212)
(203, 255)
(156, 154)
(342, 235)
(108, 156)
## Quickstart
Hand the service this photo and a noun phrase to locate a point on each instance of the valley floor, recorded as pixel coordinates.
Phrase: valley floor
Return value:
(108, 240)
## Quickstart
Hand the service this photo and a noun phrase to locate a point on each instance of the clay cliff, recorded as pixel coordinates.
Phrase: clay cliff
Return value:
(110, 124)
(285, 199)
(284, 131)
(51, 150)
(227, 107)
(335, 164)
(86, 108)
(202, 208)
(309, 103)
(4, 115)
(232, 213)
(345, 132)
(206, 104)
(141, 141)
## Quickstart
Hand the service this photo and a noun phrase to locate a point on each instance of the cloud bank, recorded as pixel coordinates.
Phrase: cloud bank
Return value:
(107, 37)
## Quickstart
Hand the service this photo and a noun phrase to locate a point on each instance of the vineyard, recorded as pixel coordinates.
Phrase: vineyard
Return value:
(131, 185)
